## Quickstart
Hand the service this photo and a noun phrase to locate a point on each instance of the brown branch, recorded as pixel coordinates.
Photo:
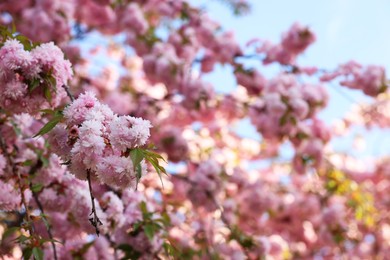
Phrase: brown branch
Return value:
(113, 245)
(95, 221)
(48, 227)
(70, 95)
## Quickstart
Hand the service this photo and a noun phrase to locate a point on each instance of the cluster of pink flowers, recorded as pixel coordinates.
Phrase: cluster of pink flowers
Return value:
(65, 198)
(294, 42)
(10, 199)
(172, 142)
(309, 145)
(163, 65)
(32, 80)
(253, 81)
(96, 139)
(285, 103)
(370, 79)
(206, 183)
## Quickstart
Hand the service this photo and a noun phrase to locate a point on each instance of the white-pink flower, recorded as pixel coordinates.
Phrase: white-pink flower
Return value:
(116, 171)
(129, 132)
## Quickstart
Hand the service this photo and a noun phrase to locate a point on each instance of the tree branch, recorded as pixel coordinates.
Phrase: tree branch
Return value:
(70, 95)
(95, 221)
(48, 226)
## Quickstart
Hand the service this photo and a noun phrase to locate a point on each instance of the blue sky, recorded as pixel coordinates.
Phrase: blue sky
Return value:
(345, 30)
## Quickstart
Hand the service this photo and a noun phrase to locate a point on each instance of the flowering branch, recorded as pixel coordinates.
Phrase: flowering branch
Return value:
(70, 95)
(48, 226)
(95, 221)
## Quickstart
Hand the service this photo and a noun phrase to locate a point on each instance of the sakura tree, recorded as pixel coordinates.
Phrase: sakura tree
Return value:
(124, 151)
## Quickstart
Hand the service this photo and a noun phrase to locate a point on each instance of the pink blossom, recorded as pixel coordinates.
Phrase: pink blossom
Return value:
(116, 171)
(298, 38)
(253, 81)
(53, 173)
(120, 103)
(126, 132)
(300, 108)
(10, 198)
(26, 85)
(54, 201)
(75, 113)
(113, 208)
(44, 25)
(208, 61)
(95, 15)
(58, 139)
(90, 144)
(14, 57)
(14, 7)
(172, 142)
(3, 164)
(372, 80)
(133, 18)
(51, 59)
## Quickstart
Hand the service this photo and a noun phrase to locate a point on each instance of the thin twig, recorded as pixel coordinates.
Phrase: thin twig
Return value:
(70, 95)
(95, 221)
(112, 243)
(32, 171)
(48, 227)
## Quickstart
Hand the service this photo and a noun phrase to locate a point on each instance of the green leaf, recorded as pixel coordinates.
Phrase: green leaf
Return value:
(283, 120)
(130, 252)
(48, 94)
(22, 238)
(152, 154)
(158, 168)
(49, 125)
(138, 174)
(16, 128)
(52, 81)
(27, 163)
(153, 158)
(168, 248)
(166, 219)
(136, 156)
(44, 219)
(149, 231)
(139, 154)
(137, 226)
(168, 140)
(338, 237)
(85, 248)
(27, 252)
(13, 27)
(25, 41)
(33, 84)
(44, 160)
(9, 231)
(37, 187)
(143, 207)
(48, 111)
(38, 253)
